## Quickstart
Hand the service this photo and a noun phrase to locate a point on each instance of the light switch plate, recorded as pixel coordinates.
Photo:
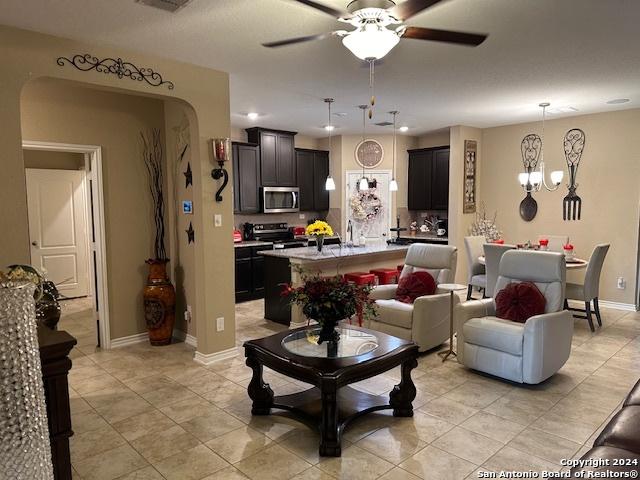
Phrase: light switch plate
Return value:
(220, 324)
(217, 220)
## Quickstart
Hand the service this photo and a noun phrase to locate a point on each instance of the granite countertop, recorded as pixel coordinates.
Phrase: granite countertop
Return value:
(332, 251)
(424, 236)
(251, 243)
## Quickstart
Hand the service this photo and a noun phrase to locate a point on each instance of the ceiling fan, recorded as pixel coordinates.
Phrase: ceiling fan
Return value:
(372, 40)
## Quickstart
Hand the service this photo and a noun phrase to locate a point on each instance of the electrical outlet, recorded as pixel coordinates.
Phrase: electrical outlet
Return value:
(187, 314)
(220, 324)
(301, 216)
(217, 220)
(622, 283)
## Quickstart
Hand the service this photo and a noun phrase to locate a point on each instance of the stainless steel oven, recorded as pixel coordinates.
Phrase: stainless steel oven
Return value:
(280, 199)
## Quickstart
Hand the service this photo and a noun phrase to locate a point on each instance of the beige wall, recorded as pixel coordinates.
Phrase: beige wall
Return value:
(609, 185)
(26, 56)
(438, 138)
(460, 222)
(239, 134)
(53, 160)
(114, 121)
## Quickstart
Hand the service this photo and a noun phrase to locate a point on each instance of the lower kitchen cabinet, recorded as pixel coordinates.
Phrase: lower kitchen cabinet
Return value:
(249, 273)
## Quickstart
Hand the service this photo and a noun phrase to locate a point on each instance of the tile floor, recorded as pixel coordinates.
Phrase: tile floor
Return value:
(152, 413)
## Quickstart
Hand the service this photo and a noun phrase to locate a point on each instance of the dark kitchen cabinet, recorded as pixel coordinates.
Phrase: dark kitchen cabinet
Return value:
(250, 272)
(246, 178)
(277, 156)
(312, 169)
(428, 179)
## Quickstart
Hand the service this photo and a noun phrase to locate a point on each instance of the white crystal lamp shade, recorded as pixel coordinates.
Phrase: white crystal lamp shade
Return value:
(329, 184)
(393, 185)
(523, 178)
(371, 41)
(535, 178)
(364, 184)
(557, 176)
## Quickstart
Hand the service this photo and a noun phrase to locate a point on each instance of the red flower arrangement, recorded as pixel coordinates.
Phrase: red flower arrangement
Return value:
(327, 300)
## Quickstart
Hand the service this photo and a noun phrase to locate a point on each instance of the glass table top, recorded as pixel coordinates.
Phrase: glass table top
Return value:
(352, 343)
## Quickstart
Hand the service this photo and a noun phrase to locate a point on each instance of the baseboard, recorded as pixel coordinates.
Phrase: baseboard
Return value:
(130, 340)
(627, 307)
(208, 359)
(191, 340)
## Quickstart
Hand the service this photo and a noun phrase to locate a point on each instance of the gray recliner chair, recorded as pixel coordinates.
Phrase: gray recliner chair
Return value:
(492, 255)
(426, 322)
(524, 353)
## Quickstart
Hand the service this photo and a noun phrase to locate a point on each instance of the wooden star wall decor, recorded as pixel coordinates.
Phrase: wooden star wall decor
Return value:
(188, 176)
(191, 234)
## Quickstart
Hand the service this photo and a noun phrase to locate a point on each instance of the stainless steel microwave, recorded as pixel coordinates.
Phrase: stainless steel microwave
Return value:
(280, 199)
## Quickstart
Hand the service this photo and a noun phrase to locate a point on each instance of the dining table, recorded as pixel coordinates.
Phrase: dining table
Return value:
(573, 264)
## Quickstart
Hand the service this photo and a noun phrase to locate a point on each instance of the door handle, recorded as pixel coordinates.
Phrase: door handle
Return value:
(34, 243)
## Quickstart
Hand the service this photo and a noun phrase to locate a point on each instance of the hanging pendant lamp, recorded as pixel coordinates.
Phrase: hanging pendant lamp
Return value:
(363, 185)
(393, 185)
(329, 184)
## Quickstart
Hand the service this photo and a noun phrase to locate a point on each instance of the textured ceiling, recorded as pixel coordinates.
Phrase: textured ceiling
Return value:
(578, 53)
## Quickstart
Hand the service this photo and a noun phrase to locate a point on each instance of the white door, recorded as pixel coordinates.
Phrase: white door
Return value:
(369, 212)
(58, 228)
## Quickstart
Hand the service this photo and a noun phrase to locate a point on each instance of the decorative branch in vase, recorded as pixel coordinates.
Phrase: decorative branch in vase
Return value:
(159, 293)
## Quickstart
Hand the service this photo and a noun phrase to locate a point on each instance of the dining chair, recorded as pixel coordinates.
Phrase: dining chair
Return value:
(556, 242)
(492, 254)
(589, 291)
(476, 276)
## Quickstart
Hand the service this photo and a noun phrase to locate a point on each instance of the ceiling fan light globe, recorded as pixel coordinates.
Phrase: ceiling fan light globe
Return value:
(329, 184)
(371, 42)
(557, 176)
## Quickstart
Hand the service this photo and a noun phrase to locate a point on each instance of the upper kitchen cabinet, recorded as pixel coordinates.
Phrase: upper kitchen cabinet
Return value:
(277, 156)
(312, 168)
(246, 177)
(428, 179)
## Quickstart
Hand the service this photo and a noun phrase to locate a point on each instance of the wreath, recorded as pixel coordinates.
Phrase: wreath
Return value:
(365, 206)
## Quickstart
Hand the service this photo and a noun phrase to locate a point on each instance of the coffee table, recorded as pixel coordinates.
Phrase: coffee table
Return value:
(331, 405)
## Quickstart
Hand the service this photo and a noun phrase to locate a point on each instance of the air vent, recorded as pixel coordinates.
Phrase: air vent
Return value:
(384, 124)
(166, 5)
(560, 110)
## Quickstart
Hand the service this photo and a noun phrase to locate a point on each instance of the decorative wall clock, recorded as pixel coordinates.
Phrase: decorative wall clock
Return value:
(369, 153)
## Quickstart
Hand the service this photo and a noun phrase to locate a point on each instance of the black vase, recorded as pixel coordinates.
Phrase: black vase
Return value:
(328, 332)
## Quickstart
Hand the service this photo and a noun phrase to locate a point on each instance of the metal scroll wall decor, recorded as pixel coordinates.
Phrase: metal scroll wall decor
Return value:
(115, 66)
(574, 141)
(530, 149)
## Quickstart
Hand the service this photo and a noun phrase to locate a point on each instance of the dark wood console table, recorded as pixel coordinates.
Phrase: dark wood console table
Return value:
(55, 346)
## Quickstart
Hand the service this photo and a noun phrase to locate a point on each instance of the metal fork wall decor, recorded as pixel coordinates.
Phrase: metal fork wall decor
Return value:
(530, 148)
(574, 141)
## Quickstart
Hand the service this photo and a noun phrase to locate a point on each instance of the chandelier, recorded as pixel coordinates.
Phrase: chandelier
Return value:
(533, 178)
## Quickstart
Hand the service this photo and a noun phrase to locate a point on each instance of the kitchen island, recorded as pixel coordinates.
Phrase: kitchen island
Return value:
(281, 267)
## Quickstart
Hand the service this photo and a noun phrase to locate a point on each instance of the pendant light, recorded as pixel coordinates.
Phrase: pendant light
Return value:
(393, 185)
(329, 184)
(363, 185)
(533, 181)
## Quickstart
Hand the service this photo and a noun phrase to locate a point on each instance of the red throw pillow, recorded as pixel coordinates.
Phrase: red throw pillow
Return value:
(415, 285)
(519, 301)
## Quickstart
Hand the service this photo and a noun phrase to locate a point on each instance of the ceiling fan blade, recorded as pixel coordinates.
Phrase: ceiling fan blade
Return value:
(409, 8)
(291, 41)
(334, 12)
(447, 36)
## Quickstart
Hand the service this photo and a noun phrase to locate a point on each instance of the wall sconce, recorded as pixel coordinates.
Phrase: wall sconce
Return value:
(221, 149)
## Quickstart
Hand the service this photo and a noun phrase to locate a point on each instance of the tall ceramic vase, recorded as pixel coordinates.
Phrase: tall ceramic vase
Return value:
(159, 303)
(25, 451)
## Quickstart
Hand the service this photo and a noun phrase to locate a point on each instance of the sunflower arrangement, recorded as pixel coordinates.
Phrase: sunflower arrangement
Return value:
(319, 228)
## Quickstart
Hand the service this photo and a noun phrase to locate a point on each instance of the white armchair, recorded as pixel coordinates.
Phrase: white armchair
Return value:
(524, 353)
(426, 322)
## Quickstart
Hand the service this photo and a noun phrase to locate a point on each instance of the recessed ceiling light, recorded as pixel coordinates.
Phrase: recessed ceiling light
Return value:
(617, 101)
(329, 128)
(404, 128)
(252, 115)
